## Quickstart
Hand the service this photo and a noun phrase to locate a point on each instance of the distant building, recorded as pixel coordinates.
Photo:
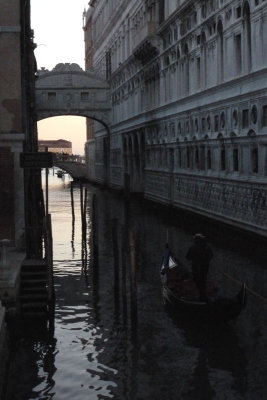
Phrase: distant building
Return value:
(55, 146)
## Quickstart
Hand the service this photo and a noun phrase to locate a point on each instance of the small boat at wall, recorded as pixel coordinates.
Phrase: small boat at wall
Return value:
(180, 295)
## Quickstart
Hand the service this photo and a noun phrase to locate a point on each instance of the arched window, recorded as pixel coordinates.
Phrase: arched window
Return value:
(220, 54)
(247, 35)
(186, 70)
(255, 160)
(196, 158)
(202, 158)
(179, 158)
(188, 157)
(148, 157)
(203, 58)
(208, 159)
(235, 159)
(223, 159)
(161, 11)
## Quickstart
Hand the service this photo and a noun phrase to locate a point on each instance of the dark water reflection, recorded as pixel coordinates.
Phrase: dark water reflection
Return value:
(106, 346)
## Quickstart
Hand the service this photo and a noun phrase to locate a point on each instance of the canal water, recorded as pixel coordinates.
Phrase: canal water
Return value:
(112, 336)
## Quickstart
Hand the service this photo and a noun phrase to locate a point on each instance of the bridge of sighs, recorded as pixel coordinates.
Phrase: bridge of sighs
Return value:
(69, 90)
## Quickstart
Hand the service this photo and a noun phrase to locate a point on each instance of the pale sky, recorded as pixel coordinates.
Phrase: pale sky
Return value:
(58, 33)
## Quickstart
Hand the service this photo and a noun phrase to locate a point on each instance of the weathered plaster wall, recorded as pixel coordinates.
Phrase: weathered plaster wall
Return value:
(10, 67)
(11, 124)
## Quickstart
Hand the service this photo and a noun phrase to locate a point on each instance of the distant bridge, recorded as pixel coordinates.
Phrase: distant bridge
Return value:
(73, 165)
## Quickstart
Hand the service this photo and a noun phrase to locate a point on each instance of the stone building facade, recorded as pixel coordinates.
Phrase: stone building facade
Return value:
(20, 190)
(11, 129)
(55, 146)
(188, 83)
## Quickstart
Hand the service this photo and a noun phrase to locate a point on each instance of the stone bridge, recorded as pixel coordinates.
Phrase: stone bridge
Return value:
(77, 170)
(68, 90)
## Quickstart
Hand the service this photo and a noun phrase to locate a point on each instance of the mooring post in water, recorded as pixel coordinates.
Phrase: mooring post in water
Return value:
(85, 203)
(73, 217)
(81, 201)
(46, 187)
(94, 233)
(114, 224)
(133, 279)
(84, 228)
(95, 266)
(72, 201)
(123, 270)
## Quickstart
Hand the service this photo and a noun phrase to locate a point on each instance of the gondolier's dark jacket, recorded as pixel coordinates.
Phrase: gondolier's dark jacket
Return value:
(200, 256)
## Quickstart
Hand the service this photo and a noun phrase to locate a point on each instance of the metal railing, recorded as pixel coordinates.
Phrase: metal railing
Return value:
(69, 158)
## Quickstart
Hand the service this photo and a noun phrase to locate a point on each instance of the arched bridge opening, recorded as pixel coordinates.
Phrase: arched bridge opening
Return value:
(68, 90)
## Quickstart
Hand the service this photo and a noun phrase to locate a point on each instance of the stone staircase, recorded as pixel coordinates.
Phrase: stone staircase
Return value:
(33, 289)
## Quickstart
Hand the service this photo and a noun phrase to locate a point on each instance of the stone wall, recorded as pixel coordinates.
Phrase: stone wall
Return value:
(11, 123)
(3, 348)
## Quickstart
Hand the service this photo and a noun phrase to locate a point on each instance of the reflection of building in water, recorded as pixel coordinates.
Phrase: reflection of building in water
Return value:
(189, 103)
(55, 146)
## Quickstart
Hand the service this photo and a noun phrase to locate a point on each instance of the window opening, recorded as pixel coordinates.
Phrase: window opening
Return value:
(245, 119)
(255, 160)
(223, 159)
(235, 159)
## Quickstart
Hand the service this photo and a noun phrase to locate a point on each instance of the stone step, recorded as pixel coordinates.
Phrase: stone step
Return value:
(33, 290)
(34, 263)
(33, 282)
(33, 275)
(34, 306)
(35, 315)
(33, 296)
(42, 270)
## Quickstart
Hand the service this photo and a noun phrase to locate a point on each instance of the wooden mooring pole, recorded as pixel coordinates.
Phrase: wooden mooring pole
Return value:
(72, 201)
(123, 271)
(73, 218)
(46, 188)
(133, 279)
(114, 226)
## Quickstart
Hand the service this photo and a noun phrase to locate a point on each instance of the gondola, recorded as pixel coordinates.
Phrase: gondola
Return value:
(180, 295)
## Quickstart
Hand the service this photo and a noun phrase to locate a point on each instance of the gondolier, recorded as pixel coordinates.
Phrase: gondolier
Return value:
(200, 254)
(181, 294)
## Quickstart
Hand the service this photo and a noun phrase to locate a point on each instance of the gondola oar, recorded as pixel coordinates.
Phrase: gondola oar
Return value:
(247, 288)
